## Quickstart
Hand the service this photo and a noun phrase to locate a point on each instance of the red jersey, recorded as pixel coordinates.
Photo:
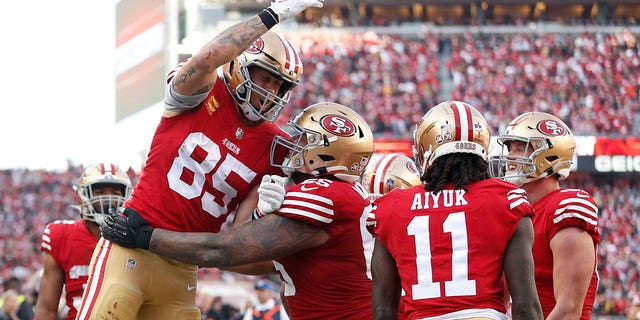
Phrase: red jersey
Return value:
(330, 281)
(449, 246)
(557, 210)
(201, 164)
(70, 244)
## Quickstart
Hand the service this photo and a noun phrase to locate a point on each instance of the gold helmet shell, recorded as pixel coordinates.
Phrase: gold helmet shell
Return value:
(386, 172)
(94, 206)
(327, 138)
(274, 54)
(450, 127)
(549, 149)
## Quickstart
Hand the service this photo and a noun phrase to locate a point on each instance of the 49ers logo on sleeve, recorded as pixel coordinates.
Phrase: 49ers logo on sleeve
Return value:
(338, 125)
(551, 128)
(256, 47)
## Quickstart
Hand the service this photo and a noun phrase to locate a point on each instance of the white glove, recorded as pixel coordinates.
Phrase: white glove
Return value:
(286, 9)
(270, 195)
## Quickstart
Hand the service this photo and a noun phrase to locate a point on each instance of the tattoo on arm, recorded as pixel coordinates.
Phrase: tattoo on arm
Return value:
(268, 238)
(222, 49)
(182, 76)
(243, 34)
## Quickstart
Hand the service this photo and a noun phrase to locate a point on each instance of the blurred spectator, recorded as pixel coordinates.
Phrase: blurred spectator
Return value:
(222, 311)
(634, 309)
(265, 307)
(24, 307)
(10, 304)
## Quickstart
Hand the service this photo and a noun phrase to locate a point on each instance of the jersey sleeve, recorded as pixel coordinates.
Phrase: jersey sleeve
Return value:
(174, 101)
(52, 236)
(575, 208)
(308, 202)
(519, 204)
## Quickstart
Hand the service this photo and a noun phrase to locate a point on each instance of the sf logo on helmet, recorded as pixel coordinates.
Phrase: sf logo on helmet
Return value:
(338, 125)
(256, 47)
(551, 128)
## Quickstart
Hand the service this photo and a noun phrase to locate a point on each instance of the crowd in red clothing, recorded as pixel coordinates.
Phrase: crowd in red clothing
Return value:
(589, 80)
(388, 79)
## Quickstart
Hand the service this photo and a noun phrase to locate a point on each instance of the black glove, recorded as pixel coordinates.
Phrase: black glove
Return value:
(128, 230)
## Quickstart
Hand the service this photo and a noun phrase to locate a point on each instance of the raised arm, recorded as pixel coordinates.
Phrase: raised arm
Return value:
(198, 75)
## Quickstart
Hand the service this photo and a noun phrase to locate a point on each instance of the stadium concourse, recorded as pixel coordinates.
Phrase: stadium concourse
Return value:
(589, 79)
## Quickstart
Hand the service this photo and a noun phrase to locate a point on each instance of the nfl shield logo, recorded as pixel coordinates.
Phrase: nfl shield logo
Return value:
(131, 264)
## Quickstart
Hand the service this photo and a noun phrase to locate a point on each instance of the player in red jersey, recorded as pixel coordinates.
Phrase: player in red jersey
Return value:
(537, 153)
(206, 160)
(68, 245)
(317, 236)
(448, 242)
(384, 173)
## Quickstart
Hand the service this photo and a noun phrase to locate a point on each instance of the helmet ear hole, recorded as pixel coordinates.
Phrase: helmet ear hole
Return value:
(326, 157)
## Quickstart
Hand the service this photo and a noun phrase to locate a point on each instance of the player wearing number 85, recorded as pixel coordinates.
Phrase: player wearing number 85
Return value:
(207, 158)
(447, 242)
(317, 237)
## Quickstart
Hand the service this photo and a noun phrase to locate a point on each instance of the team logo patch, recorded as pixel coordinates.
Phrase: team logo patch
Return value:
(211, 104)
(338, 125)
(551, 128)
(256, 47)
(390, 182)
(411, 166)
(131, 264)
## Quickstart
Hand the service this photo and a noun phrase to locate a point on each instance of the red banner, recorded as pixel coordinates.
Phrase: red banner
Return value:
(617, 146)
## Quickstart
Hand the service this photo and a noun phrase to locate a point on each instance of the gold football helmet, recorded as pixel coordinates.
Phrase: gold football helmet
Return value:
(450, 127)
(96, 203)
(327, 138)
(273, 54)
(549, 149)
(386, 172)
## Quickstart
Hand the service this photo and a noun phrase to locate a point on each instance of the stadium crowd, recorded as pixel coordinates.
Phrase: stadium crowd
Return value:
(590, 80)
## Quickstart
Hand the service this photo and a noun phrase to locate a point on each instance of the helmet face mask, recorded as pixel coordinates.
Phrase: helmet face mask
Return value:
(327, 138)
(273, 55)
(102, 189)
(534, 145)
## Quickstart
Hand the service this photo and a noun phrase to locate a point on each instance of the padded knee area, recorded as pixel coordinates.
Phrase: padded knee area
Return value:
(118, 303)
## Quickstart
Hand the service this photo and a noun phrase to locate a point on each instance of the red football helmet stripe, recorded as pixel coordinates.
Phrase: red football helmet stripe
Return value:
(385, 162)
(463, 123)
(290, 55)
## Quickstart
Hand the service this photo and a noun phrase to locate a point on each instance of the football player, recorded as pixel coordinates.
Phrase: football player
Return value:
(386, 172)
(208, 155)
(537, 152)
(448, 242)
(68, 245)
(317, 236)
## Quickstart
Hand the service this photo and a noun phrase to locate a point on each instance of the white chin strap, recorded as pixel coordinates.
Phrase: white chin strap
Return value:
(250, 112)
